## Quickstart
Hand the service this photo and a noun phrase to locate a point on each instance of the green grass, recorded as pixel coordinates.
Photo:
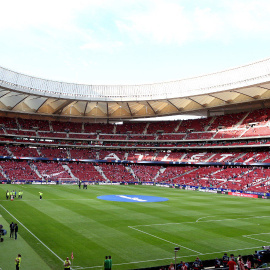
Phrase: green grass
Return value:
(136, 235)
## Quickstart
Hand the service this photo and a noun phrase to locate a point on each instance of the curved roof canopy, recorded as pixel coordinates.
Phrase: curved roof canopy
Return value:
(21, 93)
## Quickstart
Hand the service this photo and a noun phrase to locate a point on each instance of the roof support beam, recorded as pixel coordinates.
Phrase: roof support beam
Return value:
(129, 109)
(60, 109)
(264, 88)
(243, 94)
(151, 107)
(19, 102)
(218, 98)
(195, 101)
(178, 109)
(84, 111)
(41, 105)
(5, 94)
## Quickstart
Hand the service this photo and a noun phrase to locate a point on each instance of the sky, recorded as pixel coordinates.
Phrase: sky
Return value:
(102, 42)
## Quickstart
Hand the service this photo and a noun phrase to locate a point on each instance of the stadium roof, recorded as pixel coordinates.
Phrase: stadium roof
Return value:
(247, 84)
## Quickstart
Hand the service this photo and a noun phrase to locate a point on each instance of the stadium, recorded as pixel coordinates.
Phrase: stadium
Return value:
(49, 143)
(95, 170)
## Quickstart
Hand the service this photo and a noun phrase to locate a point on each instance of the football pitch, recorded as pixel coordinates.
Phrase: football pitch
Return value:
(136, 234)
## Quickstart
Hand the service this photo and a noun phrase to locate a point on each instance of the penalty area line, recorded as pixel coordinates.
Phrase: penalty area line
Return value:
(199, 221)
(175, 244)
(32, 234)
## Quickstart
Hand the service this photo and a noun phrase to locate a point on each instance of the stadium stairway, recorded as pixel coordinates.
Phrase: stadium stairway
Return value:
(129, 169)
(8, 150)
(162, 170)
(178, 125)
(34, 168)
(242, 120)
(102, 173)
(4, 174)
(146, 127)
(69, 171)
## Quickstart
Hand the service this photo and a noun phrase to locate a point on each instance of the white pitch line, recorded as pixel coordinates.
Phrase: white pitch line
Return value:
(32, 234)
(253, 238)
(175, 244)
(205, 221)
(257, 233)
(203, 217)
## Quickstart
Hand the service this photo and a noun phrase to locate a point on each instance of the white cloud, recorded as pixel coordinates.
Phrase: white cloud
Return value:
(21, 14)
(164, 22)
(251, 16)
(208, 23)
(172, 22)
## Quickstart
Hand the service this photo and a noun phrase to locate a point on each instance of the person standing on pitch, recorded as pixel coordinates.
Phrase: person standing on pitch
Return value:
(40, 195)
(18, 261)
(16, 230)
(67, 264)
(106, 263)
(110, 261)
(11, 227)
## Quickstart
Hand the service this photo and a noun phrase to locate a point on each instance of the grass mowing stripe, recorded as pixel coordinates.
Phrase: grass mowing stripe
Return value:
(32, 233)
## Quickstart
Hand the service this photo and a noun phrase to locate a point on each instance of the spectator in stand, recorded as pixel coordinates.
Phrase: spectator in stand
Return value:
(225, 260)
(232, 264)
(200, 261)
(179, 266)
(217, 263)
(248, 263)
(241, 265)
(184, 266)
(171, 267)
(197, 264)
(239, 258)
(255, 259)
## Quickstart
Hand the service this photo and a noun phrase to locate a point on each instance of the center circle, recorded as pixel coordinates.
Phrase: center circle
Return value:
(132, 198)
